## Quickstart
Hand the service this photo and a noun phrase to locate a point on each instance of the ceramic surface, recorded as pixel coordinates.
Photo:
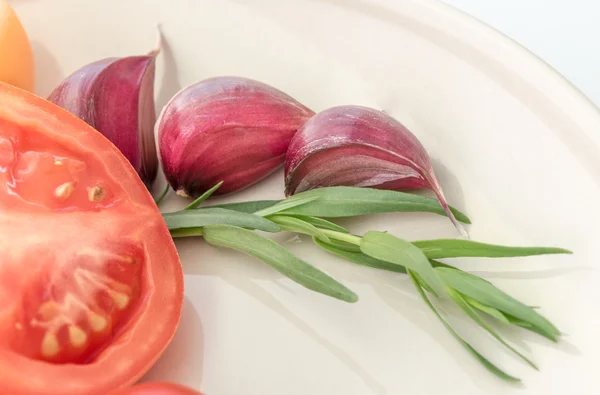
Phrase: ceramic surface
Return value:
(514, 145)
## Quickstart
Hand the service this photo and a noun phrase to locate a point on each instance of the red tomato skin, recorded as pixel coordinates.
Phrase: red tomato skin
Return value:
(153, 324)
(157, 389)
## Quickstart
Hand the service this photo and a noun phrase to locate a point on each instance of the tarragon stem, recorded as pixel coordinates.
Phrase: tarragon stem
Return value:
(222, 226)
(203, 197)
(162, 196)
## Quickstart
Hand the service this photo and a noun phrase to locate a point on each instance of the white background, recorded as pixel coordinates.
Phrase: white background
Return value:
(566, 34)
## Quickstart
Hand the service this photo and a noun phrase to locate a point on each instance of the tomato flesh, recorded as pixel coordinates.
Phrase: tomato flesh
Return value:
(71, 313)
(157, 389)
(91, 287)
(75, 302)
(44, 175)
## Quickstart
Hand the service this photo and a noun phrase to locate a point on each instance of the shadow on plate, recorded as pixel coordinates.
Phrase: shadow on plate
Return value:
(395, 290)
(450, 185)
(170, 83)
(183, 360)
(48, 74)
(530, 274)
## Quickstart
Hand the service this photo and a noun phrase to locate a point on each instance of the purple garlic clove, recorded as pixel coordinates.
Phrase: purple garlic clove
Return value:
(229, 129)
(361, 147)
(116, 97)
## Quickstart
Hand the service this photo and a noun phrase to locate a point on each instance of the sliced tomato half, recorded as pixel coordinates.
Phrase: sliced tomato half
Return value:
(91, 287)
(157, 389)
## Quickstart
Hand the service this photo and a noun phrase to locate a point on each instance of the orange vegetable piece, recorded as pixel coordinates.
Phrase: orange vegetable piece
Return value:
(16, 56)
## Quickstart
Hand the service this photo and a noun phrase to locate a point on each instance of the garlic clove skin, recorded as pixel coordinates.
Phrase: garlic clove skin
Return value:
(125, 114)
(231, 129)
(116, 97)
(74, 94)
(361, 147)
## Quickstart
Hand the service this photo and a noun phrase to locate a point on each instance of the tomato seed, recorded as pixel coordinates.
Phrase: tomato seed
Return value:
(127, 259)
(48, 310)
(50, 346)
(97, 322)
(65, 190)
(120, 299)
(77, 336)
(96, 194)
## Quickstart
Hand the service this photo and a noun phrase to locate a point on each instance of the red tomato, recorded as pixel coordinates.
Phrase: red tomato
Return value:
(91, 287)
(157, 389)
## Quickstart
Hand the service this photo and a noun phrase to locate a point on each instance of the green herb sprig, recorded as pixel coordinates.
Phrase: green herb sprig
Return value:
(231, 226)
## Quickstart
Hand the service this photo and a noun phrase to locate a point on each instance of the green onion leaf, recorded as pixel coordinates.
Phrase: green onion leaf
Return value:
(386, 247)
(179, 221)
(453, 248)
(203, 197)
(278, 257)
(486, 363)
(462, 303)
(486, 293)
(351, 201)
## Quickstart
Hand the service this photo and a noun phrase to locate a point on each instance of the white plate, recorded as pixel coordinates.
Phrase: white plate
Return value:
(514, 144)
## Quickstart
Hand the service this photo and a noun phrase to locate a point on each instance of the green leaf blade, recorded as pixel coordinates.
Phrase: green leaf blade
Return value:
(249, 207)
(336, 202)
(163, 195)
(279, 258)
(179, 220)
(346, 246)
(487, 294)
(455, 248)
(321, 223)
(484, 361)
(292, 224)
(289, 203)
(186, 232)
(528, 326)
(386, 247)
(357, 256)
(203, 197)
(492, 312)
(469, 311)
